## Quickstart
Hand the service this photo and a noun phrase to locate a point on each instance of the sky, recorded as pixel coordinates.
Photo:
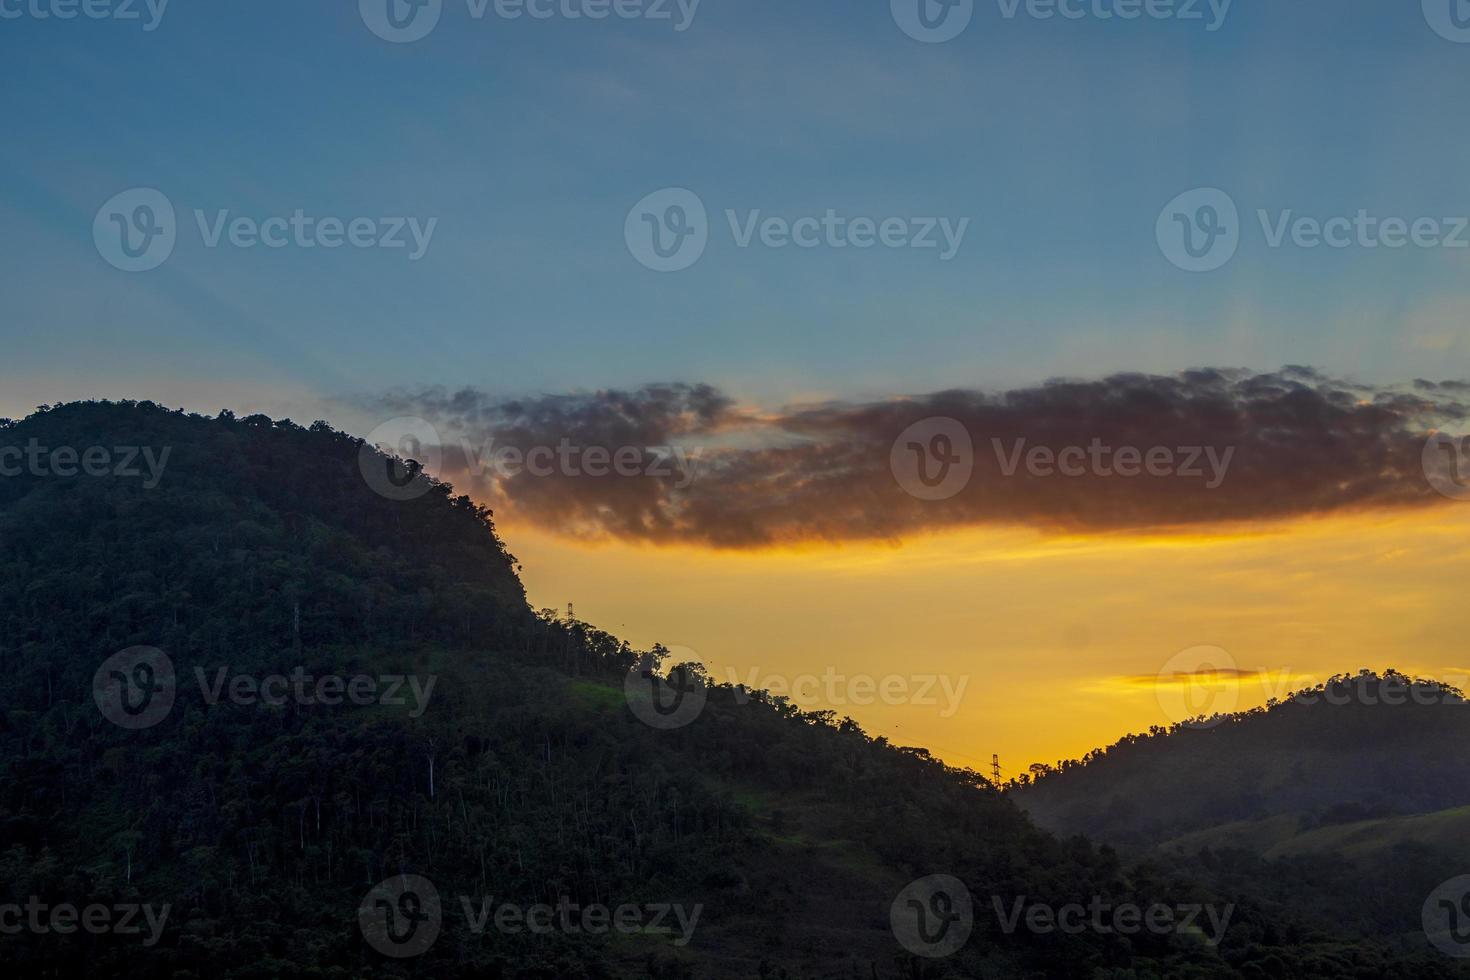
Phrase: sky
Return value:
(1054, 163)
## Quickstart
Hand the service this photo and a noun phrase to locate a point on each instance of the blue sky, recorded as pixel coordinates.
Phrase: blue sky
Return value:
(529, 141)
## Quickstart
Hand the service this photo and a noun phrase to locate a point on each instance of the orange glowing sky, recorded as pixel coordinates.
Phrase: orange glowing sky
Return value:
(1048, 635)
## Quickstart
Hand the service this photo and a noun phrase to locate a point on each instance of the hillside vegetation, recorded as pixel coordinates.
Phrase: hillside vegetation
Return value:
(1356, 747)
(521, 776)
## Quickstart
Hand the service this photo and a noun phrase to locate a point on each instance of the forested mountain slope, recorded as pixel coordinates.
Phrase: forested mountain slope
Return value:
(1355, 747)
(507, 766)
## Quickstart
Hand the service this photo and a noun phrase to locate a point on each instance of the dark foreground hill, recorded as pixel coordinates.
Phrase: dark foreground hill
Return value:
(279, 725)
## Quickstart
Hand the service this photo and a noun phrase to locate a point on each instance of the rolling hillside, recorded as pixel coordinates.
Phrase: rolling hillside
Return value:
(1360, 746)
(158, 750)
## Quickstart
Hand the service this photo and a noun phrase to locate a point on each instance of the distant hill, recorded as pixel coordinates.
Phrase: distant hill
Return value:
(523, 770)
(1357, 747)
(1351, 798)
(1370, 841)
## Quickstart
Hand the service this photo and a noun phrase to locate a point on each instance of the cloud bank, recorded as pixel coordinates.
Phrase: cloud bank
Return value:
(675, 463)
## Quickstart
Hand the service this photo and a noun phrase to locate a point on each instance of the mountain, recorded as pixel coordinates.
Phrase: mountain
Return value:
(1351, 797)
(283, 721)
(1356, 747)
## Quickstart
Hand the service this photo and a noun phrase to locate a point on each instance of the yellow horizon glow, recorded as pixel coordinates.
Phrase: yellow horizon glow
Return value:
(1038, 633)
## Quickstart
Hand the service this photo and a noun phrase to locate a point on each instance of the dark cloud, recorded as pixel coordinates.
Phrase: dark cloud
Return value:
(1206, 674)
(1239, 445)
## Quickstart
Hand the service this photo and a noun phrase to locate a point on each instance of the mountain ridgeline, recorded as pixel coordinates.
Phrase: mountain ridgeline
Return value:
(1356, 747)
(348, 711)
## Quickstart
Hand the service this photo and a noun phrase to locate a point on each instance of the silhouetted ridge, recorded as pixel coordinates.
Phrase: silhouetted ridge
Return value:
(1391, 743)
(517, 772)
